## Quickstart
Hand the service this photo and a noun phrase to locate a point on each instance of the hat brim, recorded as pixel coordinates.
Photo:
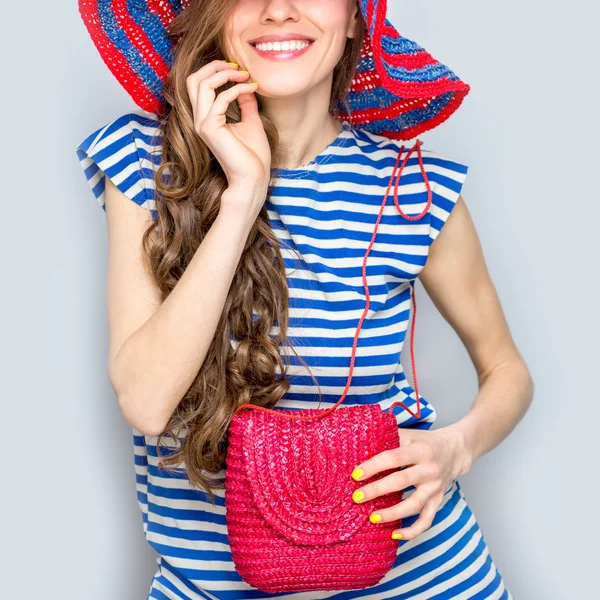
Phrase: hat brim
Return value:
(402, 90)
(398, 91)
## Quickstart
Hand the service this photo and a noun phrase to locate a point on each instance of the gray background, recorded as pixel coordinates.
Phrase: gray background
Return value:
(71, 527)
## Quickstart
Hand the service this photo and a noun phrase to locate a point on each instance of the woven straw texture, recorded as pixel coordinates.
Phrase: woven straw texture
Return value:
(292, 523)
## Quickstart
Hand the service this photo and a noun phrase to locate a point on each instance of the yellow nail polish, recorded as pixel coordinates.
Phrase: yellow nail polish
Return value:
(243, 71)
(252, 83)
(357, 473)
(232, 63)
(375, 518)
(396, 536)
(358, 496)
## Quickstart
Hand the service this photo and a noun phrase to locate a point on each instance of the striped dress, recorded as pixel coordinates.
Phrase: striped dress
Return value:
(324, 214)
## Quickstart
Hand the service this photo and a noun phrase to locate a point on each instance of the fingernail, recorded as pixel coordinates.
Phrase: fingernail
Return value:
(243, 71)
(232, 63)
(396, 536)
(358, 496)
(357, 473)
(252, 83)
(375, 518)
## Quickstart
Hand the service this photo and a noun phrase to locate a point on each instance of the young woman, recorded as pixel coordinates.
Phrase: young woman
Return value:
(238, 218)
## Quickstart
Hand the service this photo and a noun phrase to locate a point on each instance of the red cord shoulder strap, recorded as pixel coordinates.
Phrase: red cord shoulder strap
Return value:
(395, 178)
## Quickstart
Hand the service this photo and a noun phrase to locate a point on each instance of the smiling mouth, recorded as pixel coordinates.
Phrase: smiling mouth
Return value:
(255, 44)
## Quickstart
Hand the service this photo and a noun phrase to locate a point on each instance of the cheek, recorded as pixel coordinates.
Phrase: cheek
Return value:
(328, 16)
(243, 17)
(239, 26)
(231, 43)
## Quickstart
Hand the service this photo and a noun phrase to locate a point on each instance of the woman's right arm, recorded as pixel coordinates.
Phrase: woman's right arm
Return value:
(156, 350)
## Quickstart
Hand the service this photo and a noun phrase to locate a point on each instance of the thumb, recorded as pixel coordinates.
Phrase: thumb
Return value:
(249, 108)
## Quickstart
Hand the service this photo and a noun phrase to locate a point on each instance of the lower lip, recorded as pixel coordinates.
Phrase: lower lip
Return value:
(282, 54)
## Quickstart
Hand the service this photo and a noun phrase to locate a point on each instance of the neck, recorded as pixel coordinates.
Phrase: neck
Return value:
(299, 146)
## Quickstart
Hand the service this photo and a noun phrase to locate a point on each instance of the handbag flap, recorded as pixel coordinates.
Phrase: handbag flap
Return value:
(299, 471)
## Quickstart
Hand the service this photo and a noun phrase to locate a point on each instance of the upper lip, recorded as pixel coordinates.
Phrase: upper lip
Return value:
(280, 38)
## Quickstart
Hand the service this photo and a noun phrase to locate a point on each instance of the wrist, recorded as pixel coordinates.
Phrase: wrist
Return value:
(251, 187)
(464, 452)
(236, 223)
(237, 209)
(242, 205)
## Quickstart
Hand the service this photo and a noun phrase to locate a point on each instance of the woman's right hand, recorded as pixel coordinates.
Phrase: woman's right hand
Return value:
(241, 148)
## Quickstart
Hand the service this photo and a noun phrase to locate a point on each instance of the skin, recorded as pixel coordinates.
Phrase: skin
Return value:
(455, 275)
(458, 282)
(295, 94)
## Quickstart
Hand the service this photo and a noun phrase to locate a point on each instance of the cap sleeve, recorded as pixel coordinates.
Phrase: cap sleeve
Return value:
(446, 178)
(127, 151)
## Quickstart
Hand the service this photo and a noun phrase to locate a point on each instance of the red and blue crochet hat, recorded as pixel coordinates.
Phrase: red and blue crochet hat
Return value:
(399, 90)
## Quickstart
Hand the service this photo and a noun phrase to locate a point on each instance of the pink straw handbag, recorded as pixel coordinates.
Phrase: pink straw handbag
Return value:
(291, 520)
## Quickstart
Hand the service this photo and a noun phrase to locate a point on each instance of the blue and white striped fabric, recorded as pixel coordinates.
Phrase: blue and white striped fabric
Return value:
(324, 214)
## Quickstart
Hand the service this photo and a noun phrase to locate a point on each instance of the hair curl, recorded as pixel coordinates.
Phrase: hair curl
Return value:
(188, 204)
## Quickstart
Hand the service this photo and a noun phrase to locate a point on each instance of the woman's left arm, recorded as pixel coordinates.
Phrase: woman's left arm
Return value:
(456, 279)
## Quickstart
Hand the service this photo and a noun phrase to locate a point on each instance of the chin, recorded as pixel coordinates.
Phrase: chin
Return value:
(279, 87)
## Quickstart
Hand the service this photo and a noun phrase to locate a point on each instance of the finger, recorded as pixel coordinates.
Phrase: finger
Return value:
(398, 480)
(389, 459)
(193, 80)
(207, 91)
(412, 505)
(224, 99)
(425, 520)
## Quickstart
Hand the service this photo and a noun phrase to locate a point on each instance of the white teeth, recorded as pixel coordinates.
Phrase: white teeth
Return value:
(279, 46)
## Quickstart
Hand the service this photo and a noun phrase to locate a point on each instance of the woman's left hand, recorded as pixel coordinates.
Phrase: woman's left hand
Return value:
(433, 459)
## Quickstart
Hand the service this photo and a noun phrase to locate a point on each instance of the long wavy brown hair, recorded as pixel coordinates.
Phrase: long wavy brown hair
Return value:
(189, 183)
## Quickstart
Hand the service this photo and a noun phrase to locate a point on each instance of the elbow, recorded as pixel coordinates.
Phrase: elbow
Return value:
(141, 413)
(141, 417)
(531, 386)
(528, 384)
(528, 378)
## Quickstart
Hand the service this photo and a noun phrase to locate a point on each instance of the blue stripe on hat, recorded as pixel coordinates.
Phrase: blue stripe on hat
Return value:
(376, 98)
(131, 54)
(151, 23)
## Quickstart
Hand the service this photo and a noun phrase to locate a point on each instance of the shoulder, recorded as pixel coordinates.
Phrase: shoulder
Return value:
(138, 127)
(442, 168)
(427, 174)
(446, 177)
(127, 150)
